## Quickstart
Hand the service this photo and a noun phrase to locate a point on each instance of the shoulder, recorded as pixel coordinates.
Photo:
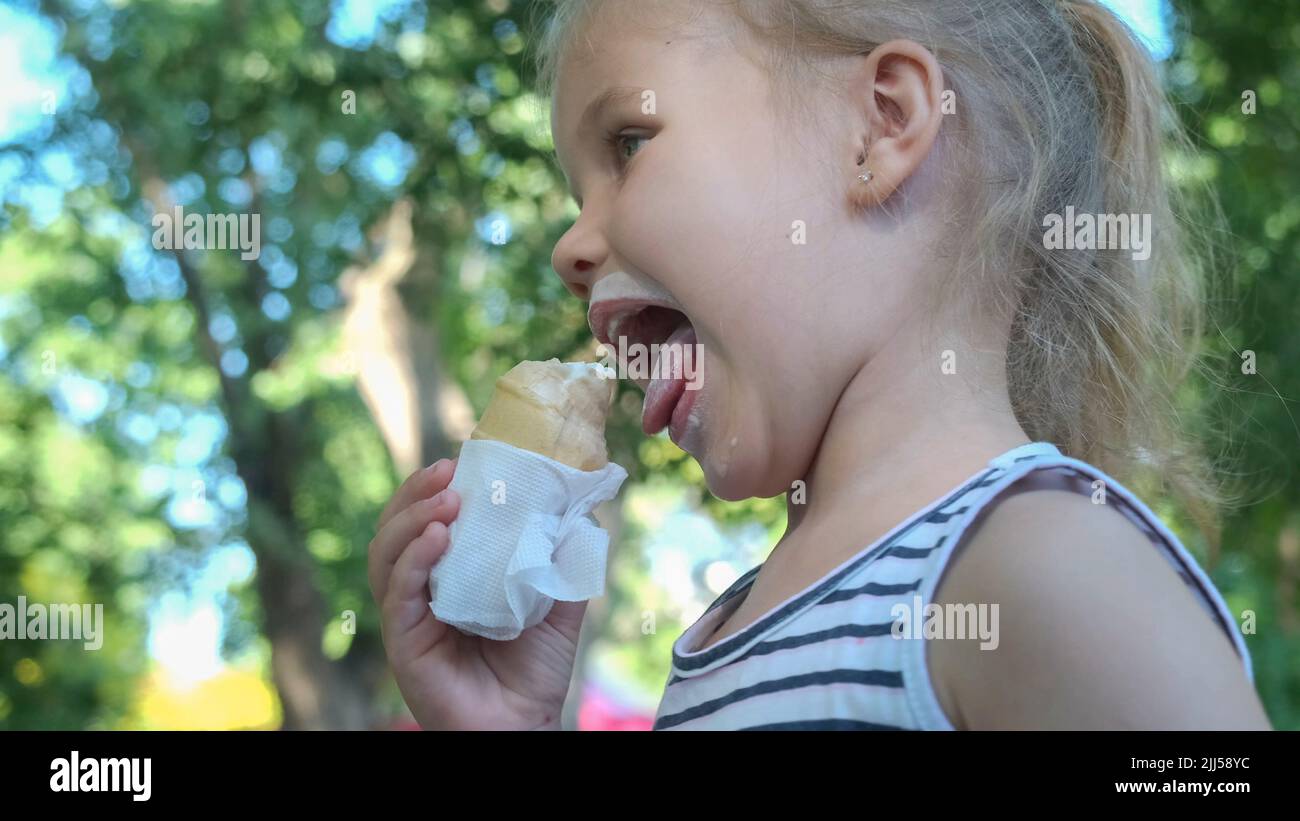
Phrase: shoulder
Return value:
(1095, 629)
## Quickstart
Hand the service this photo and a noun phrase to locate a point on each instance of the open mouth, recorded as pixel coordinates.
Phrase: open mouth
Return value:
(656, 346)
(666, 334)
(650, 326)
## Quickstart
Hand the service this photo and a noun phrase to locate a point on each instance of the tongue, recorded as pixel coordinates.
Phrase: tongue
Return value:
(669, 384)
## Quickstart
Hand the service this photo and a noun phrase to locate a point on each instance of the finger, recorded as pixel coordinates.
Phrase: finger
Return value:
(566, 617)
(410, 627)
(421, 484)
(401, 530)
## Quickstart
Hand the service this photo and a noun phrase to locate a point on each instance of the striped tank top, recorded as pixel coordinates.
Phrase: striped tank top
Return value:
(826, 658)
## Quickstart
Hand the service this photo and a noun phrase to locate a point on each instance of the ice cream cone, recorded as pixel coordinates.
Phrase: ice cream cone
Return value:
(553, 408)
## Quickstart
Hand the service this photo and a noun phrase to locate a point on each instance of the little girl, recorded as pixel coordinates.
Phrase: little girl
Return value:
(843, 205)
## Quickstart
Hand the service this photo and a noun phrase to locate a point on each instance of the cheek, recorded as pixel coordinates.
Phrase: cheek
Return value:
(711, 229)
(711, 234)
(689, 205)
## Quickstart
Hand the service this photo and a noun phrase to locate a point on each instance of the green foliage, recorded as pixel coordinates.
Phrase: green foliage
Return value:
(1231, 53)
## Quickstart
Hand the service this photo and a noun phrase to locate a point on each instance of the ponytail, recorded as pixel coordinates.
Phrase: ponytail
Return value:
(1156, 328)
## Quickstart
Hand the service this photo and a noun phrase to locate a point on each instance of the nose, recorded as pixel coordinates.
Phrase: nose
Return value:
(578, 257)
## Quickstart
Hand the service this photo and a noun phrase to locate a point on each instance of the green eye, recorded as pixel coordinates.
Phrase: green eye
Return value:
(623, 145)
(619, 142)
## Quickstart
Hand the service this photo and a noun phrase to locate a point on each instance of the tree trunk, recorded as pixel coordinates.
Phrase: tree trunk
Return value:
(315, 692)
(400, 373)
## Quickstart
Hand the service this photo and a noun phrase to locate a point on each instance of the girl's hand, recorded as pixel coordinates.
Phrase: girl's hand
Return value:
(449, 679)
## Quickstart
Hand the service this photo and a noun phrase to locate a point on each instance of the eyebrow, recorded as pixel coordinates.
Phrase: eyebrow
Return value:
(611, 96)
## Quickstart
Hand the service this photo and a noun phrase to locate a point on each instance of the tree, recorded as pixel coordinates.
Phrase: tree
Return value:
(368, 167)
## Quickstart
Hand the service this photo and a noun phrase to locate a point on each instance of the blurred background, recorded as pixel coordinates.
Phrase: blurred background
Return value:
(202, 443)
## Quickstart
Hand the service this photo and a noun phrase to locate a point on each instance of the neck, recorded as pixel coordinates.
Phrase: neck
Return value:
(904, 432)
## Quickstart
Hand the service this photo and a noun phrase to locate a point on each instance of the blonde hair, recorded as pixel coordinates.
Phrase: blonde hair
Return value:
(1057, 105)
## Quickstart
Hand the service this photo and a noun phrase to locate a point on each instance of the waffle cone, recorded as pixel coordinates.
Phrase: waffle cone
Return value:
(553, 408)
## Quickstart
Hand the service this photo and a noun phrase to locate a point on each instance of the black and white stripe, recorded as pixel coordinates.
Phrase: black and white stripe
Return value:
(827, 659)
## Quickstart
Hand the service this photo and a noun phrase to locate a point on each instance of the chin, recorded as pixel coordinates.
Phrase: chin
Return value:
(726, 491)
(734, 482)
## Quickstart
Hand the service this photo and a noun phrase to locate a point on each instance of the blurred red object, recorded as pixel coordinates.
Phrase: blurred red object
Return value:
(402, 724)
(601, 710)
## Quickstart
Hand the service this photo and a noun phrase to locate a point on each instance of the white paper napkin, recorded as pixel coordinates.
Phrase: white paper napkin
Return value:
(524, 539)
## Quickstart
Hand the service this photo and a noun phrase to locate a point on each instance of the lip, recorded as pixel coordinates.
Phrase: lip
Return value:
(680, 429)
(677, 428)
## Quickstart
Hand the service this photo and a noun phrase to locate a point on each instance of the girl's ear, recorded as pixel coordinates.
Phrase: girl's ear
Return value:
(899, 88)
